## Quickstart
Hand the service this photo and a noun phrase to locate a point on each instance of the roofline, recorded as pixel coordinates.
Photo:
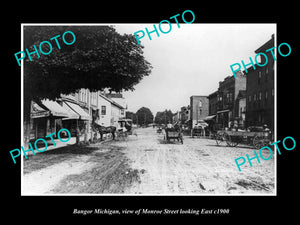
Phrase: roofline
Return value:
(111, 101)
(267, 45)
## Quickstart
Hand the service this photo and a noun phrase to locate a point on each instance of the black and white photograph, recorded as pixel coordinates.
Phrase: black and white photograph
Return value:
(109, 112)
(129, 112)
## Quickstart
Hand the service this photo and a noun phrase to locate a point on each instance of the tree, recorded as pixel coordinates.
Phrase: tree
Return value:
(144, 116)
(163, 117)
(99, 58)
(132, 116)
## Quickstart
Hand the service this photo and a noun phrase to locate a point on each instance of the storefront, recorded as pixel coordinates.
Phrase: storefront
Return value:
(46, 118)
(223, 119)
(78, 121)
(211, 121)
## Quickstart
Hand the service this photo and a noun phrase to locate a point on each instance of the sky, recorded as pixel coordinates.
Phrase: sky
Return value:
(191, 60)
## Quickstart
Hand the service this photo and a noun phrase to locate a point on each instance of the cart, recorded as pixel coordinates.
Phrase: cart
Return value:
(172, 133)
(197, 132)
(199, 129)
(127, 123)
(257, 139)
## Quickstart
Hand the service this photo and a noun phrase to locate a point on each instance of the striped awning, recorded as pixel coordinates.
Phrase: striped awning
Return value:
(47, 108)
(80, 111)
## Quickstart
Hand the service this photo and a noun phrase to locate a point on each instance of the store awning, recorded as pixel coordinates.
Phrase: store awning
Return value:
(77, 109)
(208, 118)
(55, 108)
(47, 108)
(72, 115)
(226, 110)
(38, 112)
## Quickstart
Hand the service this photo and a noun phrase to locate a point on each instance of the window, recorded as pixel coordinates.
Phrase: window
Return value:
(267, 70)
(266, 95)
(103, 110)
(249, 98)
(200, 104)
(254, 97)
(259, 76)
(122, 111)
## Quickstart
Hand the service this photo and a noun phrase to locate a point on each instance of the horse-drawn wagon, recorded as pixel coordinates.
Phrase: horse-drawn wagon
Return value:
(258, 138)
(173, 133)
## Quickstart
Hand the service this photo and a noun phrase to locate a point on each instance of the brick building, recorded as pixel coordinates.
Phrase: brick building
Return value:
(198, 109)
(229, 99)
(213, 103)
(260, 90)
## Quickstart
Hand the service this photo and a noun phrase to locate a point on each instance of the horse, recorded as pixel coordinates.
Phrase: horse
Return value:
(105, 130)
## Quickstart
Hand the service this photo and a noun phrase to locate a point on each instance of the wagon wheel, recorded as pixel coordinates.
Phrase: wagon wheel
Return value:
(258, 142)
(235, 140)
(231, 141)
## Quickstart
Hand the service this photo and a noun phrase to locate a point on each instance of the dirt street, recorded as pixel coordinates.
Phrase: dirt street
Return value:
(146, 164)
(198, 166)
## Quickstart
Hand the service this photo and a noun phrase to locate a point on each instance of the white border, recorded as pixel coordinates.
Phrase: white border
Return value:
(107, 24)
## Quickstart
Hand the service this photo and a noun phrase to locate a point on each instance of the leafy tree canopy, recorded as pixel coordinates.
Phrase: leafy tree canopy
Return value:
(163, 117)
(99, 58)
(144, 116)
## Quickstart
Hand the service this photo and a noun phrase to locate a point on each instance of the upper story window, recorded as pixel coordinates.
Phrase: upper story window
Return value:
(103, 110)
(259, 77)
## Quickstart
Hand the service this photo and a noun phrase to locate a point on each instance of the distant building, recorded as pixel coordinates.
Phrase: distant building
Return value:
(240, 109)
(213, 103)
(260, 90)
(184, 115)
(198, 109)
(228, 101)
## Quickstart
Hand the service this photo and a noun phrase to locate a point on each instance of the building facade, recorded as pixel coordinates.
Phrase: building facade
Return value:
(213, 103)
(77, 112)
(228, 101)
(184, 114)
(260, 90)
(198, 109)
